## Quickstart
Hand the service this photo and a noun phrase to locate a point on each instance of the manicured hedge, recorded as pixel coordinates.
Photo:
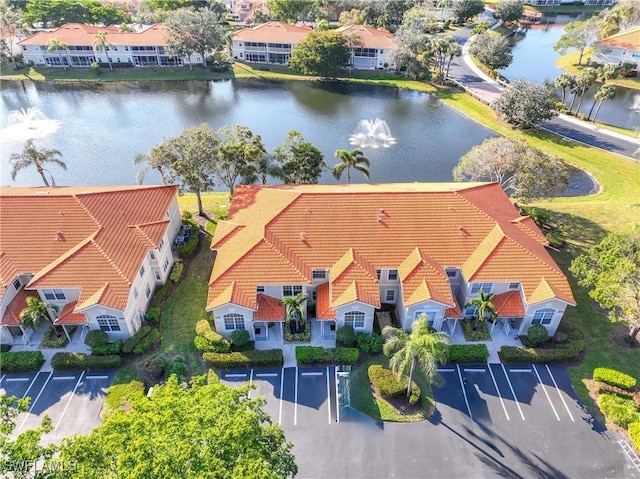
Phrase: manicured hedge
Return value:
(108, 349)
(515, 354)
(267, 357)
(206, 346)
(369, 343)
(141, 341)
(346, 336)
(97, 337)
(73, 361)
(634, 435)
(188, 249)
(153, 314)
(468, 353)
(390, 385)
(21, 361)
(614, 378)
(203, 328)
(318, 354)
(176, 272)
(622, 411)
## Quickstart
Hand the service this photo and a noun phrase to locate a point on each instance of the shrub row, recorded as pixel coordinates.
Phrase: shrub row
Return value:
(369, 343)
(346, 336)
(142, 340)
(153, 315)
(51, 340)
(97, 337)
(21, 361)
(601, 387)
(469, 353)
(614, 378)
(318, 354)
(176, 272)
(209, 341)
(634, 435)
(620, 410)
(146, 342)
(267, 357)
(188, 249)
(108, 349)
(515, 354)
(71, 361)
(389, 385)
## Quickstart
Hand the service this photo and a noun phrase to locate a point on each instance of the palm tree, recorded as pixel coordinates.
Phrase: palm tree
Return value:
(583, 82)
(351, 159)
(486, 309)
(421, 347)
(564, 81)
(353, 41)
(266, 166)
(295, 307)
(100, 44)
(36, 310)
(604, 93)
(154, 160)
(57, 45)
(31, 156)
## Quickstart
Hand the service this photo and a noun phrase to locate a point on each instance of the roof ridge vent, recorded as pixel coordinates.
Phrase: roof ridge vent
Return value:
(303, 237)
(59, 236)
(463, 231)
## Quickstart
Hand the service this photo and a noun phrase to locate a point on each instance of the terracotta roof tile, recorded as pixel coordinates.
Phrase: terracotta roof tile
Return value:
(508, 304)
(269, 309)
(14, 308)
(628, 39)
(74, 34)
(323, 310)
(273, 32)
(69, 316)
(423, 280)
(371, 37)
(455, 312)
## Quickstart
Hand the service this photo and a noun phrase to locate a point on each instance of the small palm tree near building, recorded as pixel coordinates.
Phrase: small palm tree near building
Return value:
(31, 156)
(36, 311)
(295, 308)
(485, 308)
(422, 348)
(351, 159)
(100, 44)
(55, 44)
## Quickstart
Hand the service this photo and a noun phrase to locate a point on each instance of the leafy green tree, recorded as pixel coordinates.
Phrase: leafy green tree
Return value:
(579, 35)
(100, 44)
(195, 31)
(351, 17)
(604, 93)
(302, 163)
(522, 171)
(58, 46)
(486, 311)
(494, 52)
(267, 167)
(385, 13)
(421, 347)
(156, 160)
(238, 155)
(192, 156)
(623, 15)
(611, 269)
(351, 159)
(55, 13)
(35, 311)
(565, 81)
(10, 28)
(200, 431)
(289, 11)
(509, 11)
(294, 307)
(608, 72)
(585, 79)
(526, 103)
(322, 53)
(413, 54)
(465, 9)
(33, 157)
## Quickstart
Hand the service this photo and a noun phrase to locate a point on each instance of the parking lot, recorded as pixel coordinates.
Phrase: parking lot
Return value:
(72, 400)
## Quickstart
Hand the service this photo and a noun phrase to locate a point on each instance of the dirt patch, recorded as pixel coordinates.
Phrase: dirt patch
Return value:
(620, 335)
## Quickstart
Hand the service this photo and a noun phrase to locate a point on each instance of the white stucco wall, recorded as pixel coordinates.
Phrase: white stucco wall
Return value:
(368, 310)
(219, 313)
(557, 305)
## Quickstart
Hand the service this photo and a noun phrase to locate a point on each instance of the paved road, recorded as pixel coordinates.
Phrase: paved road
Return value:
(566, 128)
(491, 421)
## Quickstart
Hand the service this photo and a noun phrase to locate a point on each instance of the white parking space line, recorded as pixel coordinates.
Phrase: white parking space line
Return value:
(626, 447)
(30, 386)
(312, 373)
(250, 384)
(475, 370)
(236, 375)
(512, 391)
(62, 378)
(519, 370)
(499, 395)
(281, 394)
(464, 392)
(337, 405)
(11, 380)
(3, 376)
(329, 396)
(446, 370)
(35, 401)
(96, 377)
(266, 375)
(545, 392)
(560, 393)
(295, 401)
(73, 393)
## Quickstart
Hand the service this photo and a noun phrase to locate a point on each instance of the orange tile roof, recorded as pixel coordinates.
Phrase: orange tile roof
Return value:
(273, 32)
(371, 37)
(74, 34)
(14, 308)
(508, 304)
(269, 309)
(628, 39)
(286, 231)
(323, 310)
(90, 238)
(68, 316)
(455, 312)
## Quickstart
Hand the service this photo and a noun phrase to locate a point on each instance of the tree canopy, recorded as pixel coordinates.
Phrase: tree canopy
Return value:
(289, 11)
(55, 13)
(526, 103)
(465, 9)
(494, 52)
(524, 172)
(238, 155)
(31, 156)
(302, 162)
(579, 35)
(509, 10)
(204, 430)
(611, 271)
(322, 52)
(10, 27)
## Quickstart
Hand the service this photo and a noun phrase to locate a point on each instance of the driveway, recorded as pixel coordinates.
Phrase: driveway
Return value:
(520, 421)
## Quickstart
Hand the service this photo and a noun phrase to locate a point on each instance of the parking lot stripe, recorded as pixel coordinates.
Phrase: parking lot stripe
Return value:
(499, 395)
(30, 386)
(520, 370)
(560, 393)
(266, 375)
(475, 370)
(337, 389)
(545, 392)
(329, 396)
(312, 373)
(35, 401)
(10, 380)
(96, 377)
(281, 394)
(73, 393)
(504, 370)
(250, 383)
(2, 378)
(59, 378)
(464, 392)
(236, 375)
(295, 401)
(446, 370)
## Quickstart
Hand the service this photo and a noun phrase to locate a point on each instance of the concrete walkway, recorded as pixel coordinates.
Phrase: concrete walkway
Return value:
(76, 345)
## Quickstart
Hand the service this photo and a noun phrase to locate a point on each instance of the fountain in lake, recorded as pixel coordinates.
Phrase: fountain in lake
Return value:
(636, 104)
(372, 134)
(29, 124)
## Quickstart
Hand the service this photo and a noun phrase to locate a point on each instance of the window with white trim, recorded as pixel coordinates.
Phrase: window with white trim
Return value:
(514, 285)
(259, 289)
(141, 271)
(161, 245)
(319, 274)
(431, 316)
(157, 275)
(378, 272)
(165, 265)
(543, 316)
(135, 293)
(390, 296)
(108, 322)
(152, 255)
(393, 275)
(54, 294)
(233, 321)
(17, 284)
(291, 290)
(470, 311)
(355, 319)
(484, 287)
(147, 291)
